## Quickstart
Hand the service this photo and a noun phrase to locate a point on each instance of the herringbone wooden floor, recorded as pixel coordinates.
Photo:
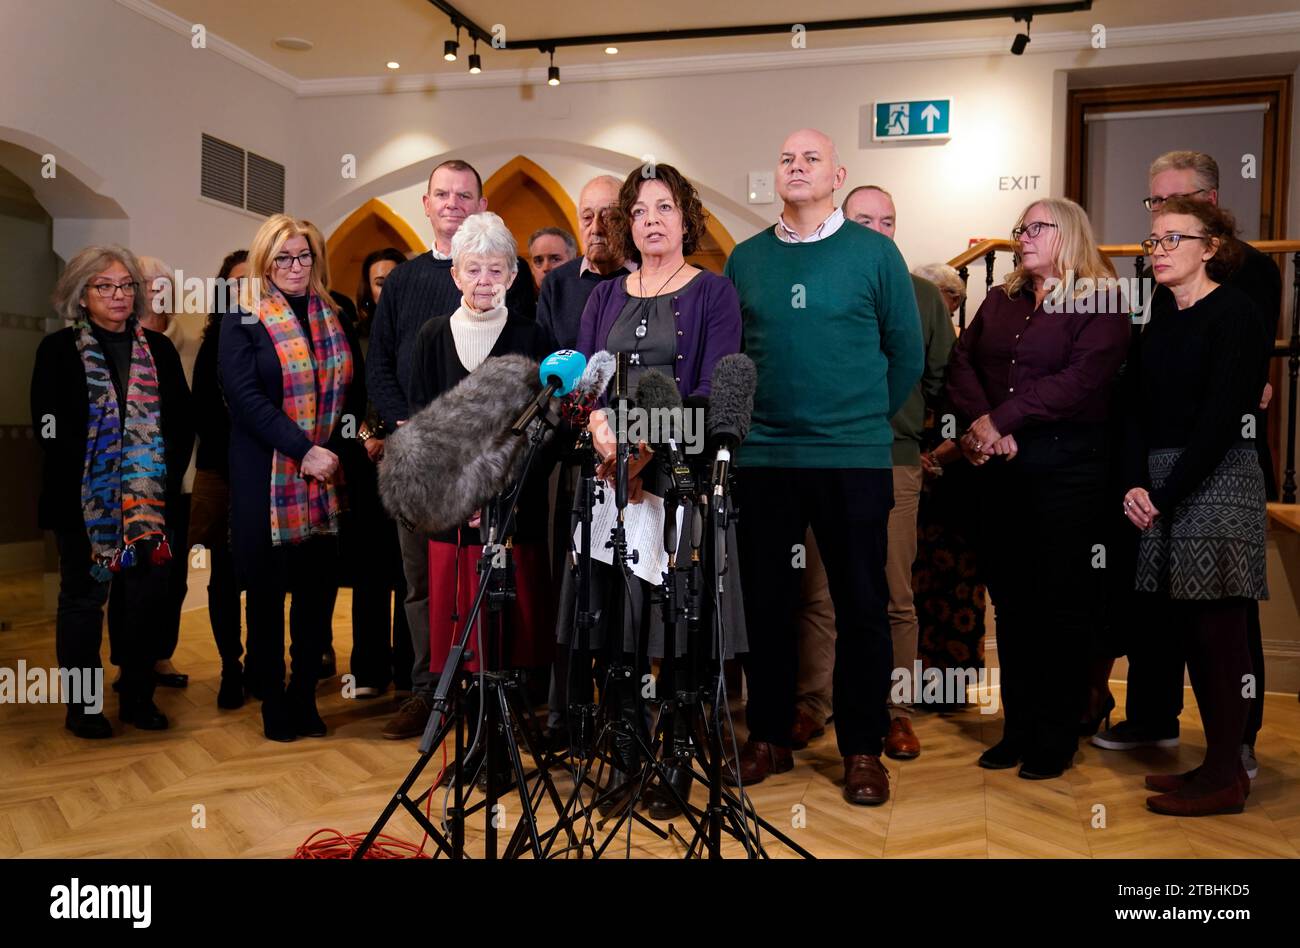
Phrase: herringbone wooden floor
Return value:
(135, 795)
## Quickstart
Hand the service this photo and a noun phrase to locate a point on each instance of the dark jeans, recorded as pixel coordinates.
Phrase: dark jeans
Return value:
(1155, 674)
(137, 596)
(848, 510)
(1040, 534)
(308, 573)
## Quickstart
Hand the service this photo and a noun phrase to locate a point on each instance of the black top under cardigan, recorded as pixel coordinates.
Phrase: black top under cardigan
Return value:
(252, 381)
(53, 397)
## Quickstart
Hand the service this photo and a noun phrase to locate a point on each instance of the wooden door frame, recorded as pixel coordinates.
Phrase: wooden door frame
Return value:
(1275, 91)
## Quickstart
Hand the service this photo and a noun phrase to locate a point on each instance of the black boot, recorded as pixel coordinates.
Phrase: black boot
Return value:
(85, 724)
(277, 724)
(231, 693)
(135, 706)
(660, 802)
(301, 697)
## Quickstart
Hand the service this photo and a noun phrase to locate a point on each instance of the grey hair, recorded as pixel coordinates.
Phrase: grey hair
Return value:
(153, 268)
(560, 232)
(485, 234)
(942, 276)
(1206, 168)
(84, 267)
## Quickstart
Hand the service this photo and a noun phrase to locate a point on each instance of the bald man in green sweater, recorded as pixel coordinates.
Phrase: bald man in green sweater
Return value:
(873, 207)
(830, 320)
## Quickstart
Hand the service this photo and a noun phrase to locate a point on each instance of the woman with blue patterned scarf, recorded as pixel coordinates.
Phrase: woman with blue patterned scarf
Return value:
(111, 411)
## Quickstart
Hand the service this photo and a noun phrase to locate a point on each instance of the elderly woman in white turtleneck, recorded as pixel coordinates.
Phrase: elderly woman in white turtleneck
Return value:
(483, 265)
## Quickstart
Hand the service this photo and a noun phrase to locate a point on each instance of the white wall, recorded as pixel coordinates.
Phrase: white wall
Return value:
(127, 100)
(1008, 121)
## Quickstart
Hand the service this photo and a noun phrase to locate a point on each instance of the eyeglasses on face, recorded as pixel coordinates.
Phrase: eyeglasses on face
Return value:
(1030, 230)
(1156, 201)
(1168, 242)
(107, 291)
(286, 261)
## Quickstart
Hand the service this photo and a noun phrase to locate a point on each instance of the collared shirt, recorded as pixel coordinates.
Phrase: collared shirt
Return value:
(628, 265)
(824, 229)
(438, 254)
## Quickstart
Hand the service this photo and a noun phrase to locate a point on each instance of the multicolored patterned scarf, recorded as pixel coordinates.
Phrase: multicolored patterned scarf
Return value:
(315, 375)
(124, 476)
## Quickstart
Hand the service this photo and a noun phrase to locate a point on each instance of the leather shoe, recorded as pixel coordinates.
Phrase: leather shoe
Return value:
(866, 781)
(805, 729)
(757, 760)
(88, 726)
(902, 742)
(171, 679)
(1172, 783)
(144, 715)
(1000, 756)
(1230, 799)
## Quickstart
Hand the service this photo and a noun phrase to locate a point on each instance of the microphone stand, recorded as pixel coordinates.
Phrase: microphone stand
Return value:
(503, 714)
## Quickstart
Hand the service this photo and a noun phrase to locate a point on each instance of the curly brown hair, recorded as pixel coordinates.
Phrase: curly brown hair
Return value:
(1219, 225)
(687, 199)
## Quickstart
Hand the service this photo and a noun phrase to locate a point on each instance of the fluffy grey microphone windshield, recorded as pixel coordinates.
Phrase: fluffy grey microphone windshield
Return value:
(656, 390)
(596, 377)
(457, 452)
(731, 399)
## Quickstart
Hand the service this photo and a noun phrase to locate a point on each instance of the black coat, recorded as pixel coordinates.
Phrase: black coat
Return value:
(56, 395)
(252, 382)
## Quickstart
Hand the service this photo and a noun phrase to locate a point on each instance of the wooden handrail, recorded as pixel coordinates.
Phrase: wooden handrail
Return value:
(978, 251)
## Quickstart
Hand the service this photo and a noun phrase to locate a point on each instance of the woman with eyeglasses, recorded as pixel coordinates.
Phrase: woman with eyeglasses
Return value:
(1032, 376)
(1198, 491)
(111, 411)
(291, 370)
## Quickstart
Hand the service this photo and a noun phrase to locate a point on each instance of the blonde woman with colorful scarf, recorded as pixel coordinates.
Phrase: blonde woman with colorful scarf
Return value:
(291, 370)
(111, 412)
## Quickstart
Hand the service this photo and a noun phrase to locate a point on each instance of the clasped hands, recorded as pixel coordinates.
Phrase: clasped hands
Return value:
(606, 445)
(983, 440)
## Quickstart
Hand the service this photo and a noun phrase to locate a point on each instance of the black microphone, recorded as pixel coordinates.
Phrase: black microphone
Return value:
(658, 396)
(731, 407)
(458, 451)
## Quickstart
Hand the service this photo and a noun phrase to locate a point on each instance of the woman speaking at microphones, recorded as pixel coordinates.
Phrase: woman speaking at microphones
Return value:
(679, 320)
(448, 348)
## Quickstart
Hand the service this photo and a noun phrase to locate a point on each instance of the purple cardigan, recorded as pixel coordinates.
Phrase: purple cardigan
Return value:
(708, 326)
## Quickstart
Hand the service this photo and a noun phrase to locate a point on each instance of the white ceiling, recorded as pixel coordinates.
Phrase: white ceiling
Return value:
(354, 40)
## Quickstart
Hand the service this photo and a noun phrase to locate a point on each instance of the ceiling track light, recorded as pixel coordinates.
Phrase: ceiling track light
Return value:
(1022, 39)
(475, 61)
(449, 47)
(553, 72)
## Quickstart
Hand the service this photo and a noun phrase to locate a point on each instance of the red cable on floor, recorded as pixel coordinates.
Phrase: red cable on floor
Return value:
(334, 845)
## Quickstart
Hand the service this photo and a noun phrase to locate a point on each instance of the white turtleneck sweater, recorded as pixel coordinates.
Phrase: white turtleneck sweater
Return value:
(476, 333)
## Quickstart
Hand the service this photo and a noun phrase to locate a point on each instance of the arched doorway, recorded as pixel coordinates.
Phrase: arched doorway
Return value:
(372, 226)
(528, 198)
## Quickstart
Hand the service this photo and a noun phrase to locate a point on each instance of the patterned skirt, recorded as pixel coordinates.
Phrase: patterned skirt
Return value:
(1212, 545)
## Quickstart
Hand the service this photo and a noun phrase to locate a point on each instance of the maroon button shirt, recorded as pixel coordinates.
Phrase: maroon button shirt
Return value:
(1023, 366)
